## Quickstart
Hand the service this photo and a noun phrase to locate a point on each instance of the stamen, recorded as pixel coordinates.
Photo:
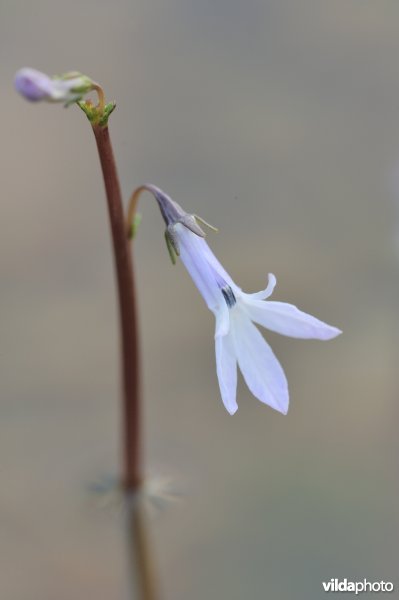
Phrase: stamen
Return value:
(228, 295)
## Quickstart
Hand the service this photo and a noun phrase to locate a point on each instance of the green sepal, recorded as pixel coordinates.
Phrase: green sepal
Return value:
(170, 247)
(94, 114)
(203, 222)
(108, 110)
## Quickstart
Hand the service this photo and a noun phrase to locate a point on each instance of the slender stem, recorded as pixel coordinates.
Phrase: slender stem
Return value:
(139, 550)
(132, 476)
(133, 202)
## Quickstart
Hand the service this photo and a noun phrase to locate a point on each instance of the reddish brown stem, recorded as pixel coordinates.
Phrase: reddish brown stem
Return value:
(144, 577)
(131, 478)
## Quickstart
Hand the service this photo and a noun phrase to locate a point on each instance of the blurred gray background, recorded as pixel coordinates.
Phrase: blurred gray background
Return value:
(279, 123)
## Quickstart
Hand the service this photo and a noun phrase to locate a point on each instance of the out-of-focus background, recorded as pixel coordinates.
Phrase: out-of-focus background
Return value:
(279, 123)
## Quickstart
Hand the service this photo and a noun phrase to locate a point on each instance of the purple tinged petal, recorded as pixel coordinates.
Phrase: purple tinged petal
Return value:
(32, 84)
(196, 264)
(226, 369)
(206, 272)
(261, 370)
(199, 246)
(287, 319)
(213, 261)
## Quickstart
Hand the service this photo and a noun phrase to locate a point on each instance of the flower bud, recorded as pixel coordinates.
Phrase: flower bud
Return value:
(35, 86)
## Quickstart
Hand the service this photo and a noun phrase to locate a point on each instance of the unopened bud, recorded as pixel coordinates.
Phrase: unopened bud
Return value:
(68, 88)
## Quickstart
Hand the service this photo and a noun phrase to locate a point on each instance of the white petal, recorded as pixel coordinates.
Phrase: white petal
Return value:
(261, 370)
(222, 315)
(267, 292)
(226, 368)
(287, 319)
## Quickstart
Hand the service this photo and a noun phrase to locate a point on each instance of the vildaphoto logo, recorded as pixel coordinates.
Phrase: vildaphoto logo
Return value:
(357, 587)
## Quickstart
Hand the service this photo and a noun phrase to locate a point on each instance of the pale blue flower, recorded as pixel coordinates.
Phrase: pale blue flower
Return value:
(237, 339)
